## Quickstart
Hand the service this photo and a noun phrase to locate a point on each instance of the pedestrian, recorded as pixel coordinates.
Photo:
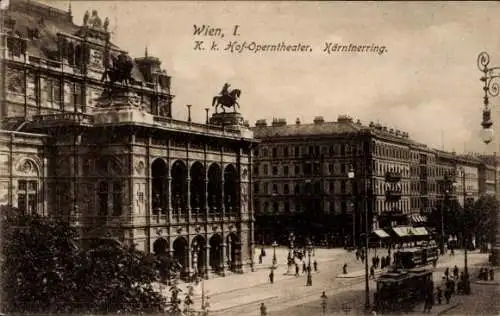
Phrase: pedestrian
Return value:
(439, 294)
(263, 309)
(315, 264)
(372, 272)
(304, 267)
(260, 259)
(374, 261)
(455, 271)
(344, 268)
(357, 254)
(297, 270)
(262, 252)
(271, 276)
(447, 272)
(492, 275)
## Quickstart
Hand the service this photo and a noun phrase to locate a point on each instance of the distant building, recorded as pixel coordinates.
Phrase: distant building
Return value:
(109, 158)
(302, 184)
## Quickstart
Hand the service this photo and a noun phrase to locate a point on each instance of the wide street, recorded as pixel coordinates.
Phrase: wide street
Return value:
(289, 295)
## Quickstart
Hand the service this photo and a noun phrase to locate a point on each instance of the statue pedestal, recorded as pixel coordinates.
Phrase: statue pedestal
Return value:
(227, 119)
(120, 106)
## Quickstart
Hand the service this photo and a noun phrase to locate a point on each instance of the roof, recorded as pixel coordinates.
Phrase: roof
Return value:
(325, 128)
(49, 21)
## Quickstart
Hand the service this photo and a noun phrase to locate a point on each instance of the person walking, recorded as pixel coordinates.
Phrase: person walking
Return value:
(304, 267)
(344, 268)
(372, 272)
(271, 276)
(315, 265)
(260, 259)
(297, 270)
(447, 273)
(263, 309)
(455, 272)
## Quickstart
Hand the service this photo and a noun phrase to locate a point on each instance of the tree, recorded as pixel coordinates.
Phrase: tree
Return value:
(44, 270)
(484, 221)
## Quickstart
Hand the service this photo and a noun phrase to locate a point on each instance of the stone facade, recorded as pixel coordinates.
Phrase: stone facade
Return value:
(109, 158)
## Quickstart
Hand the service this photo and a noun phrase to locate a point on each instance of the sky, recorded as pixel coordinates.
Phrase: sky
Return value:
(426, 82)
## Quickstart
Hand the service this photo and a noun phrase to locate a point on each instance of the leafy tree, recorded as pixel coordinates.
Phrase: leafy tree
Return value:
(44, 270)
(484, 219)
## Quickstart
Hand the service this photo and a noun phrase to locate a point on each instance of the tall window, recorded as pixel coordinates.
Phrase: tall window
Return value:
(103, 199)
(275, 170)
(286, 188)
(117, 198)
(27, 196)
(266, 170)
(275, 152)
(297, 151)
(285, 170)
(285, 151)
(110, 194)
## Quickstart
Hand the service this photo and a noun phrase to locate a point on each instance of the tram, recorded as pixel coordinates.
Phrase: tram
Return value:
(401, 290)
(416, 257)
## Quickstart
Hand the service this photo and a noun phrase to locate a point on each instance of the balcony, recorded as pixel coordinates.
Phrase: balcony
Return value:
(392, 176)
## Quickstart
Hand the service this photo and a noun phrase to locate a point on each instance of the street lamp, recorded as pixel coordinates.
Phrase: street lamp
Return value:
(350, 175)
(365, 209)
(491, 88)
(465, 218)
(309, 275)
(275, 261)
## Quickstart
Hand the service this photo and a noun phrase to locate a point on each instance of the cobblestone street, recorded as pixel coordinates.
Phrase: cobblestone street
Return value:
(242, 294)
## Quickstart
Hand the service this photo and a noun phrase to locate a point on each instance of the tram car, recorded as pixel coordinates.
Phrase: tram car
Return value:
(401, 290)
(416, 257)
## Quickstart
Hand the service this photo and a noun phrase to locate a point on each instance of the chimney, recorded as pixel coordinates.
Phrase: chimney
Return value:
(358, 122)
(371, 124)
(297, 121)
(391, 131)
(318, 120)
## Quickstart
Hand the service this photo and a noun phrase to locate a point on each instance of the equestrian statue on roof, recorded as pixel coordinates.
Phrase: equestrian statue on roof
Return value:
(226, 98)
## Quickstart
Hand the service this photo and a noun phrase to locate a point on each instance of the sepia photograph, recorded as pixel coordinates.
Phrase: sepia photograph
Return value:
(246, 158)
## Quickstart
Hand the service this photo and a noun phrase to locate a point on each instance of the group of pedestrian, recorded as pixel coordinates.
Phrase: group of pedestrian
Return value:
(450, 284)
(484, 272)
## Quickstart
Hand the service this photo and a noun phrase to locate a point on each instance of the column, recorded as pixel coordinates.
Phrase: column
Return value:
(230, 263)
(189, 259)
(169, 198)
(223, 198)
(207, 259)
(188, 197)
(223, 265)
(206, 199)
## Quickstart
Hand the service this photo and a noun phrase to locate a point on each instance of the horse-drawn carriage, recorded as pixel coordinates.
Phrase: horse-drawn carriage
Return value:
(401, 290)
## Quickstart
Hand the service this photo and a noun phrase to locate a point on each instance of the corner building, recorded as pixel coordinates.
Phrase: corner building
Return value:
(118, 166)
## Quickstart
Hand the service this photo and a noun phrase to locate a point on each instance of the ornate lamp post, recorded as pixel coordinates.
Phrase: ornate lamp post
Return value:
(196, 249)
(350, 175)
(309, 275)
(491, 88)
(275, 261)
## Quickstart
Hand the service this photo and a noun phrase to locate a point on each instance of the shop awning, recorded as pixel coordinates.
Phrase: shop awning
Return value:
(381, 233)
(415, 218)
(403, 231)
(420, 231)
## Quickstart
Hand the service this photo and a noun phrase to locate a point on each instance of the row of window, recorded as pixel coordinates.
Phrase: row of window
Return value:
(332, 207)
(308, 168)
(297, 151)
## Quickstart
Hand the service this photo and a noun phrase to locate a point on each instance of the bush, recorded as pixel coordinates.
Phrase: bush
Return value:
(44, 270)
